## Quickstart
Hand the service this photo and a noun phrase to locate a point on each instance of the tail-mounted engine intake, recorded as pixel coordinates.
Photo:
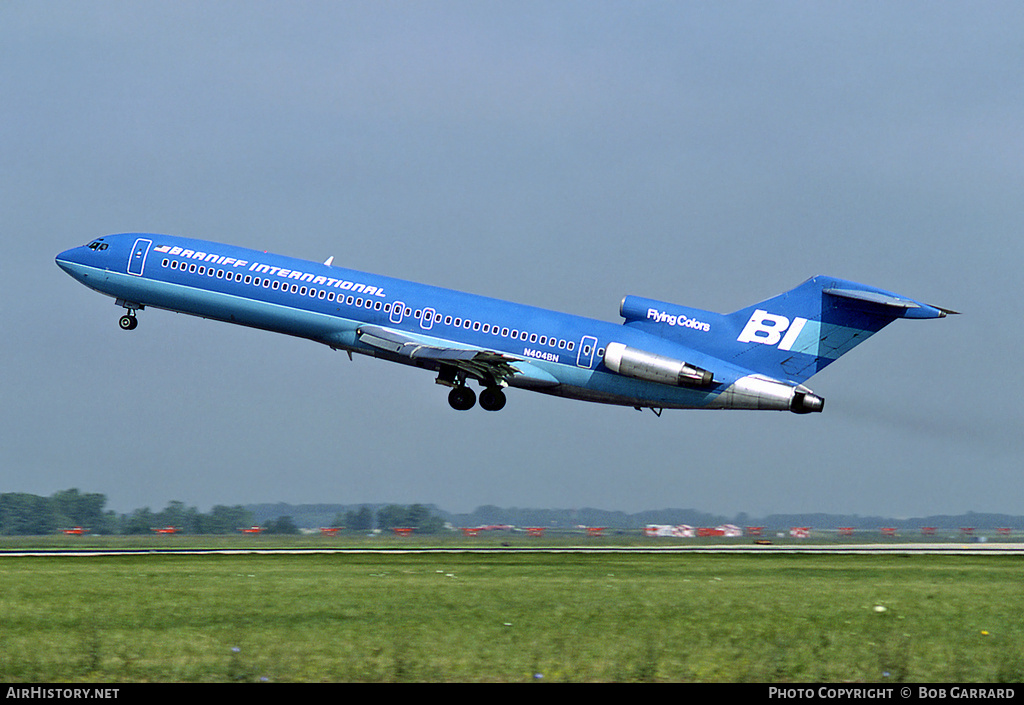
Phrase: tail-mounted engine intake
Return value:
(652, 367)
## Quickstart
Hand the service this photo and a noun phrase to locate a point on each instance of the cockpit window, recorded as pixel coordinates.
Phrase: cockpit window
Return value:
(97, 245)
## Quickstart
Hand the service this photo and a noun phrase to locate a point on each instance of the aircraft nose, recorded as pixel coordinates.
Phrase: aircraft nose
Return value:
(75, 260)
(65, 259)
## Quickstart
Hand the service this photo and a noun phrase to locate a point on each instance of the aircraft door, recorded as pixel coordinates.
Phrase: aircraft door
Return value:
(427, 319)
(397, 312)
(137, 259)
(585, 357)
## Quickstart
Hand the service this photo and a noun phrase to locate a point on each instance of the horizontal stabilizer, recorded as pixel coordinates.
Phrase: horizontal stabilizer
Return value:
(908, 307)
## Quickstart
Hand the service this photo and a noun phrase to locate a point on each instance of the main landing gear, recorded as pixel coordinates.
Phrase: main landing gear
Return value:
(462, 398)
(492, 399)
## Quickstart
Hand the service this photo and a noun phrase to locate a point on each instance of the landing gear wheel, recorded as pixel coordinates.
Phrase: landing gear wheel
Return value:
(492, 399)
(461, 398)
(128, 322)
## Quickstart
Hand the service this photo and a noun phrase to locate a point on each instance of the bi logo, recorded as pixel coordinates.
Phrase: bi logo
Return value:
(768, 329)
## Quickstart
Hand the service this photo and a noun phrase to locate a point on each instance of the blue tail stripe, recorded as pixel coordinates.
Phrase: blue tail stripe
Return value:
(828, 340)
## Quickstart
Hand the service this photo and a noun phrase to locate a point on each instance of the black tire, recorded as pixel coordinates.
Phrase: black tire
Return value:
(128, 322)
(461, 398)
(492, 399)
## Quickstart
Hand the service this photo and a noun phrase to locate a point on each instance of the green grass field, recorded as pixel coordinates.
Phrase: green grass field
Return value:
(511, 617)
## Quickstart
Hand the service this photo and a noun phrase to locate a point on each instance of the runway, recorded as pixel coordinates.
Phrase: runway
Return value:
(965, 549)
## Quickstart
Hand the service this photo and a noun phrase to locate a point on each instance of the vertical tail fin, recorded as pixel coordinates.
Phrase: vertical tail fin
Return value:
(797, 334)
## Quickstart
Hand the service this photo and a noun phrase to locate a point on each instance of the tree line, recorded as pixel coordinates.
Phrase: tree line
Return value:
(23, 514)
(391, 516)
(28, 514)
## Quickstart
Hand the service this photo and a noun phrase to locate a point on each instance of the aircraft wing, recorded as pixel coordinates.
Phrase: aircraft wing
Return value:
(485, 365)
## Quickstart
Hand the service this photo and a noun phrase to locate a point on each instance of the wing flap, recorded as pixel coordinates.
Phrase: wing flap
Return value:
(485, 365)
(394, 342)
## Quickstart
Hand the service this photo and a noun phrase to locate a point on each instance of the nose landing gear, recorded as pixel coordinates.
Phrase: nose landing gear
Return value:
(128, 321)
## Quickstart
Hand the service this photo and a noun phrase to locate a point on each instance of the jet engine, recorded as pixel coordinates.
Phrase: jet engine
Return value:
(652, 367)
(760, 392)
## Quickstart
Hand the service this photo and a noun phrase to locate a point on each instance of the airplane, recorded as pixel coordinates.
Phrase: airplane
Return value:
(662, 356)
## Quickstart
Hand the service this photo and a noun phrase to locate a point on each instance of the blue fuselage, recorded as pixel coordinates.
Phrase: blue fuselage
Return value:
(553, 352)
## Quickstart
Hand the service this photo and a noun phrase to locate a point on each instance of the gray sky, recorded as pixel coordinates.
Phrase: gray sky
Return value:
(559, 154)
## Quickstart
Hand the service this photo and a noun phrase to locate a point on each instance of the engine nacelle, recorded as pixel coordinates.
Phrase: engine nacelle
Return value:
(652, 367)
(763, 393)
